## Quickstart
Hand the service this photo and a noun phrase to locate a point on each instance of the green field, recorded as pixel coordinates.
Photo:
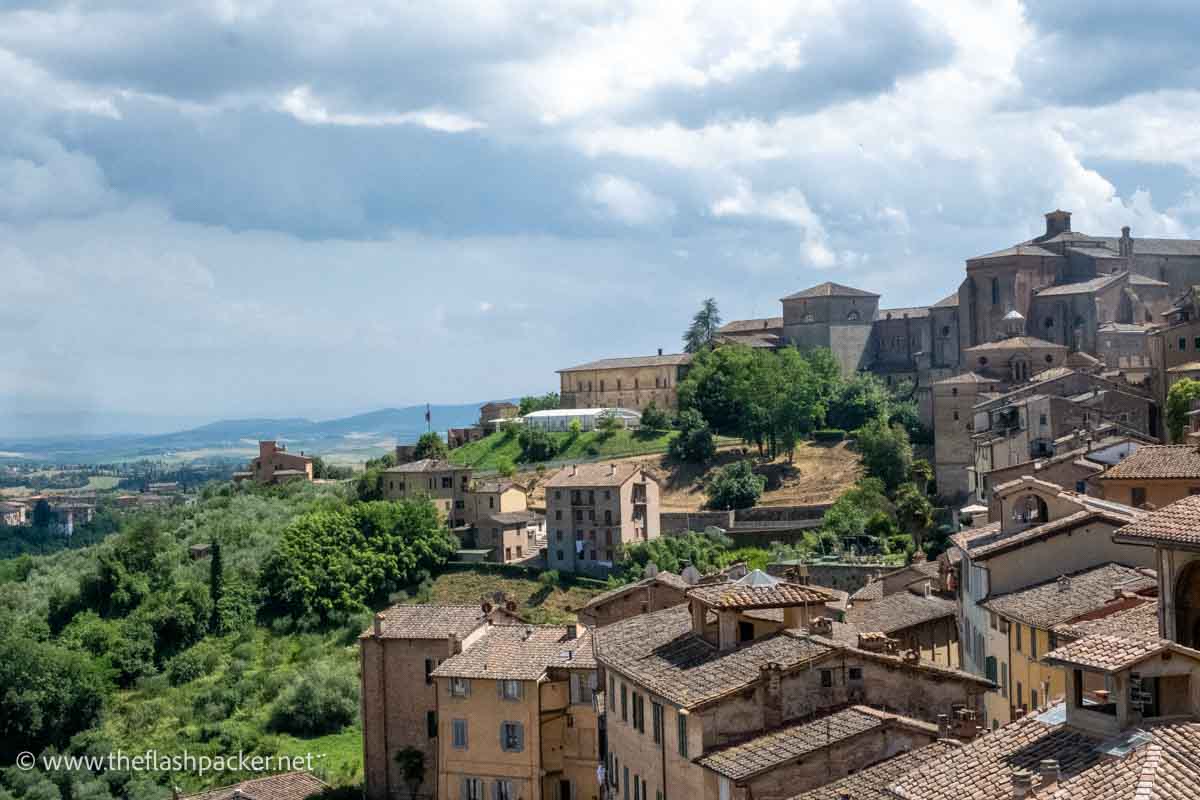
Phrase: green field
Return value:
(491, 451)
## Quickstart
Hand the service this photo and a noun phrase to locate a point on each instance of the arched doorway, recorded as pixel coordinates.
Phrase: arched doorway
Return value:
(1187, 606)
(1030, 510)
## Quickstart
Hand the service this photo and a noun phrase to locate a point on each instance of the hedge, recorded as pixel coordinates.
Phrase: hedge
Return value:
(829, 435)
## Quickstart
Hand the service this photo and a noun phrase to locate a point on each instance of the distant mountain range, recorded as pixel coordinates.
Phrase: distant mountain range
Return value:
(352, 438)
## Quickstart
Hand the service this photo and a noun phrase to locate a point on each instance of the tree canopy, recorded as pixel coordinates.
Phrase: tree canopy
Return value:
(703, 330)
(1179, 403)
(694, 443)
(735, 486)
(532, 403)
(430, 445)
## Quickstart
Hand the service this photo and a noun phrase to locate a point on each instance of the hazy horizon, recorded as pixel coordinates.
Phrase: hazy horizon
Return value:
(216, 210)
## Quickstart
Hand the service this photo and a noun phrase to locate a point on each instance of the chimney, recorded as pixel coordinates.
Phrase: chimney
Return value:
(1126, 242)
(528, 633)
(612, 469)
(772, 674)
(928, 588)
(1057, 221)
(455, 644)
(379, 624)
(572, 631)
(943, 723)
(821, 626)
(573, 470)
(874, 642)
(1049, 766)
(1064, 583)
(1022, 783)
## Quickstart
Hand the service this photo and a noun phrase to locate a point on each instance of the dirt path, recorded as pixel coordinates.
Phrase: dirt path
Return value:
(818, 475)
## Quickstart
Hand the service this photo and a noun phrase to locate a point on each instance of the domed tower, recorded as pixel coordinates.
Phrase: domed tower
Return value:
(1014, 324)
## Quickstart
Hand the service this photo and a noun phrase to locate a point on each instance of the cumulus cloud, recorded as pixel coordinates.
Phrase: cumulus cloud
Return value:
(279, 184)
(627, 201)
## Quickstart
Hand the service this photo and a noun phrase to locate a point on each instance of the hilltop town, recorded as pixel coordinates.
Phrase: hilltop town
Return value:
(848, 552)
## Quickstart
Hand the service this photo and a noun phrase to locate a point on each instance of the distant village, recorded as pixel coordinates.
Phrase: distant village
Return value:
(1049, 652)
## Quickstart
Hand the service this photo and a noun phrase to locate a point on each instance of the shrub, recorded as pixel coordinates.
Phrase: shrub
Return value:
(323, 700)
(735, 486)
(654, 418)
(694, 442)
(430, 445)
(536, 444)
(829, 435)
(550, 577)
(185, 667)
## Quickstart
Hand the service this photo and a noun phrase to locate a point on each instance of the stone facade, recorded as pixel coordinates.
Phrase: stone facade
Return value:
(594, 510)
(631, 383)
(276, 465)
(447, 485)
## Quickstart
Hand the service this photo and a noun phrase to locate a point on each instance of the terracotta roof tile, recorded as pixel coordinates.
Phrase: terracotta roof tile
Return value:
(585, 475)
(872, 782)
(1015, 342)
(429, 621)
(898, 611)
(1058, 600)
(520, 652)
(830, 289)
(631, 362)
(284, 786)
(664, 578)
(777, 747)
(1154, 462)
(1138, 622)
(768, 324)
(1177, 523)
(758, 590)
(427, 465)
(1105, 652)
(660, 652)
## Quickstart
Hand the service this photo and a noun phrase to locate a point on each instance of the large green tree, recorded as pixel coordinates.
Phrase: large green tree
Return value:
(886, 452)
(735, 486)
(532, 403)
(1179, 402)
(430, 445)
(694, 442)
(703, 330)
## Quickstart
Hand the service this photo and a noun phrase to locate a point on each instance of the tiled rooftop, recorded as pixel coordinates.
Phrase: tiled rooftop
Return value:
(426, 465)
(1081, 287)
(1155, 462)
(662, 578)
(585, 475)
(999, 542)
(830, 289)
(873, 590)
(1138, 622)
(430, 622)
(284, 786)
(1178, 522)
(1048, 603)
(670, 360)
(1105, 652)
(515, 517)
(520, 652)
(770, 750)
(898, 611)
(872, 782)
(758, 590)
(752, 325)
(1015, 342)
(660, 652)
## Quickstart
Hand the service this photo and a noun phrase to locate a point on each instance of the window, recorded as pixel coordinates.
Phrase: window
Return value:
(625, 778)
(460, 687)
(1182, 343)
(430, 666)
(856, 675)
(956, 415)
(510, 690)
(1017, 628)
(989, 669)
(681, 734)
(637, 787)
(624, 705)
(1049, 322)
(612, 693)
(995, 291)
(458, 731)
(1003, 679)
(1020, 695)
(504, 790)
(472, 789)
(992, 620)
(1137, 496)
(1033, 643)
(656, 722)
(431, 724)
(512, 737)
(1033, 698)
(639, 712)
(1041, 419)
(1196, 343)
(826, 678)
(583, 688)
(558, 513)
(447, 483)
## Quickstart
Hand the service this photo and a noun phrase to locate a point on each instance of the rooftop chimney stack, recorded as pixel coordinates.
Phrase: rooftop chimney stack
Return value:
(943, 723)
(379, 624)
(1057, 221)
(1022, 783)
(572, 631)
(1125, 246)
(1050, 773)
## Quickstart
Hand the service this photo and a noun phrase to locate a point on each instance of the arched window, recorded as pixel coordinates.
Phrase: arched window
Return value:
(853, 316)
(1030, 510)
(995, 291)
(1049, 323)
(983, 361)
(808, 318)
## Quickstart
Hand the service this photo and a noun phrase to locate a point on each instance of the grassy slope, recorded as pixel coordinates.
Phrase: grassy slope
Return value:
(487, 452)
(536, 603)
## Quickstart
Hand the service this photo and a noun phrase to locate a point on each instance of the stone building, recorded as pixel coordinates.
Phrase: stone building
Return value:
(398, 696)
(658, 590)
(447, 485)
(624, 382)
(834, 316)
(276, 465)
(734, 696)
(511, 535)
(594, 510)
(517, 718)
(1153, 476)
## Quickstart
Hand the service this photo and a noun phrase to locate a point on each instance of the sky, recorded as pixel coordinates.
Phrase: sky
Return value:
(315, 208)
